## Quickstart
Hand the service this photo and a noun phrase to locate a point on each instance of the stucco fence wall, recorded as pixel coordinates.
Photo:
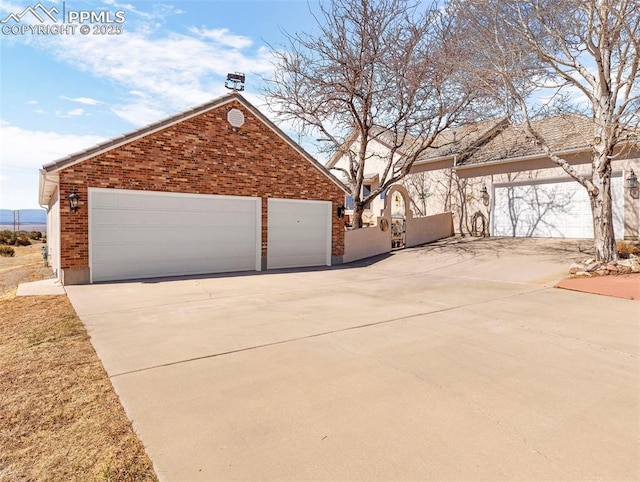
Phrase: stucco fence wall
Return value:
(366, 242)
(427, 229)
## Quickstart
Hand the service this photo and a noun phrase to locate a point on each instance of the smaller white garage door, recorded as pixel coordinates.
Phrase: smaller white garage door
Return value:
(299, 233)
(143, 234)
(551, 210)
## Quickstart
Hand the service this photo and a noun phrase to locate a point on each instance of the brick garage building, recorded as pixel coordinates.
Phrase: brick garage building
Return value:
(217, 188)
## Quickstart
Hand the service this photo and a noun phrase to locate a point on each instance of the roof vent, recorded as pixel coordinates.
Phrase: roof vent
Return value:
(235, 117)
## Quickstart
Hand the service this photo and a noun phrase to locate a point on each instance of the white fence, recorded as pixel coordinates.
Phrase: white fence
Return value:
(366, 242)
(428, 229)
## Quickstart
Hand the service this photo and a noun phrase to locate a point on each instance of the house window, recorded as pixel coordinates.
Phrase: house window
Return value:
(366, 190)
(348, 203)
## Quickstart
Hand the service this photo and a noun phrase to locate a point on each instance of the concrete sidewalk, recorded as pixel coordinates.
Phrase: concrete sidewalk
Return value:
(453, 361)
(50, 286)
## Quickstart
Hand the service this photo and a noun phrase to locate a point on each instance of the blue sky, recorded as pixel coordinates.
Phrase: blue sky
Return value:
(62, 93)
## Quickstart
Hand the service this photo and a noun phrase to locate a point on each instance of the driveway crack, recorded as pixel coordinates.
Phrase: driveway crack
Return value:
(321, 334)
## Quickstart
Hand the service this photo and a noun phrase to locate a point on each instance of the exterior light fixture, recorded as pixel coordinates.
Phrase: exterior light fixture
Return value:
(484, 194)
(631, 183)
(340, 211)
(235, 82)
(74, 197)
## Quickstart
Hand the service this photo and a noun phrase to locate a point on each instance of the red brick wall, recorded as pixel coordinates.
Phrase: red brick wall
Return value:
(201, 155)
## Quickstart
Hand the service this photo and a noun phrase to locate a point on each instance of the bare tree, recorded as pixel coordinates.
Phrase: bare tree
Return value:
(418, 186)
(528, 49)
(376, 70)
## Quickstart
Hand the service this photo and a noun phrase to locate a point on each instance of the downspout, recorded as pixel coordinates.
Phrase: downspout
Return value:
(453, 170)
(47, 253)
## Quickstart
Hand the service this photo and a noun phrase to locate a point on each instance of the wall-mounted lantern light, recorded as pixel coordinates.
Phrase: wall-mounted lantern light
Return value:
(632, 180)
(484, 194)
(340, 211)
(631, 183)
(74, 197)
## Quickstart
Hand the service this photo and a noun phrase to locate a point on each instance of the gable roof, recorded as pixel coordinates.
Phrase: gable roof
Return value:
(563, 132)
(462, 141)
(54, 167)
(448, 144)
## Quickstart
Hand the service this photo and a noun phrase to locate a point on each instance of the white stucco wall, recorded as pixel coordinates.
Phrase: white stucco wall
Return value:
(442, 190)
(428, 229)
(450, 192)
(365, 242)
(375, 164)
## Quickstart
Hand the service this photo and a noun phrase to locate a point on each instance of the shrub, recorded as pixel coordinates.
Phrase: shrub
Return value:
(7, 237)
(22, 240)
(7, 251)
(35, 235)
(626, 249)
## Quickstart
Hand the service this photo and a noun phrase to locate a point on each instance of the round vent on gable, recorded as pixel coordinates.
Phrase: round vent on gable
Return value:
(235, 117)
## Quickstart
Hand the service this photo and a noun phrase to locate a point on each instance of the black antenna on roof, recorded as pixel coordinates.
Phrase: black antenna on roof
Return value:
(235, 82)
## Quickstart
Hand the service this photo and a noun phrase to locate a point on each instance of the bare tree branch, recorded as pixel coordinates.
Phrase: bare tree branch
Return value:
(591, 46)
(377, 71)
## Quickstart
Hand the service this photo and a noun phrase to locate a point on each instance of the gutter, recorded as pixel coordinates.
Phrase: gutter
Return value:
(44, 179)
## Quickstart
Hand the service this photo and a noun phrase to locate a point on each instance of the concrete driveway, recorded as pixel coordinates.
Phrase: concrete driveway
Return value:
(454, 361)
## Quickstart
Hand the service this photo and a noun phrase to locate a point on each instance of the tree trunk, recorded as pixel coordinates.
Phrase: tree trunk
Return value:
(356, 219)
(604, 240)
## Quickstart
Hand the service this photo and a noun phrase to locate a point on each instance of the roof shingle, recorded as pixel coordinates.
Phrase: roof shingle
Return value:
(564, 132)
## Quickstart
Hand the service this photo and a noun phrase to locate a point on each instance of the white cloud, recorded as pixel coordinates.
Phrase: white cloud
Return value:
(174, 72)
(70, 113)
(222, 36)
(159, 12)
(23, 148)
(126, 6)
(82, 100)
(32, 102)
(23, 153)
(158, 72)
(139, 113)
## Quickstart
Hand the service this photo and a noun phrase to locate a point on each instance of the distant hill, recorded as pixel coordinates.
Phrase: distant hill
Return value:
(27, 216)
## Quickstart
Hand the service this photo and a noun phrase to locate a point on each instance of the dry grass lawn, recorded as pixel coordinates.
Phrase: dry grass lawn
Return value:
(59, 416)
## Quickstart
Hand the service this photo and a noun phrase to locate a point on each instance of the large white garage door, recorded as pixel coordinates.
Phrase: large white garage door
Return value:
(551, 210)
(141, 234)
(299, 233)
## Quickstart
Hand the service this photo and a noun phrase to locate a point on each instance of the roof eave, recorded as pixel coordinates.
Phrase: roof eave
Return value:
(531, 157)
(118, 141)
(46, 187)
(132, 136)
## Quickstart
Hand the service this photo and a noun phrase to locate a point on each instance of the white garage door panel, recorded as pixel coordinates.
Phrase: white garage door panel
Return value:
(135, 234)
(557, 210)
(299, 233)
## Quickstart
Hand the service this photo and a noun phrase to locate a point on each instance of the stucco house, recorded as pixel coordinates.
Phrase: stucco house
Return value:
(438, 157)
(496, 180)
(216, 188)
